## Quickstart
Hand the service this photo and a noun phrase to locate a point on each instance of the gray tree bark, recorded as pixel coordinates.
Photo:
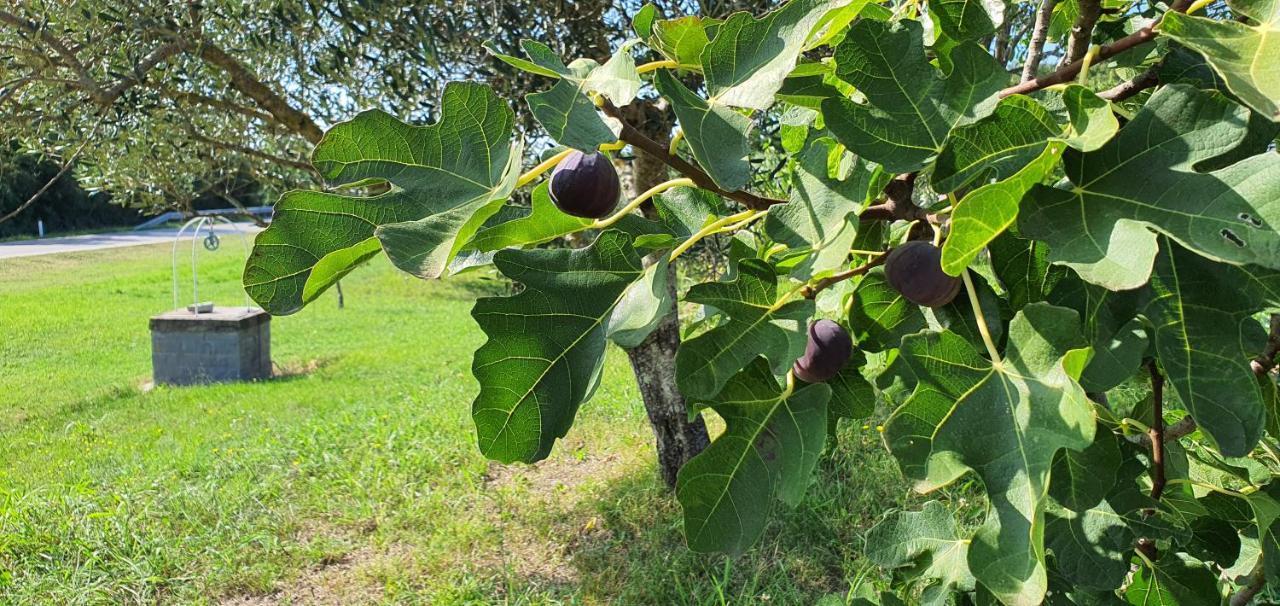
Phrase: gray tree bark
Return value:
(653, 361)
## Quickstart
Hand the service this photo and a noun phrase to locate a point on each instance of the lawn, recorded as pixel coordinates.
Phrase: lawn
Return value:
(354, 477)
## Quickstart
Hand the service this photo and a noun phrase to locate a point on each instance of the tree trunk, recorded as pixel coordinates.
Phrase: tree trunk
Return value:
(654, 360)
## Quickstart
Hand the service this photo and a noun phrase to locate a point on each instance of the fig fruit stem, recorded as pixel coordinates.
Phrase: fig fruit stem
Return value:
(714, 227)
(791, 386)
(981, 319)
(653, 66)
(546, 165)
(640, 199)
(675, 142)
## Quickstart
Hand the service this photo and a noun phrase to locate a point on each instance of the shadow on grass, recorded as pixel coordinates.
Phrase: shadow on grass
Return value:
(624, 544)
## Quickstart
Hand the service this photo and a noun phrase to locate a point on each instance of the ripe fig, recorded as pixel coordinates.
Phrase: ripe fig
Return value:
(915, 270)
(828, 349)
(585, 185)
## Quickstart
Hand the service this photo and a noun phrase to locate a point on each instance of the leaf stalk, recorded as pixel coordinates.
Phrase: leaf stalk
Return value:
(981, 319)
(641, 199)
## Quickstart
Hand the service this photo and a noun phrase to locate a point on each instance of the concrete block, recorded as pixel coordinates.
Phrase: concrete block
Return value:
(226, 344)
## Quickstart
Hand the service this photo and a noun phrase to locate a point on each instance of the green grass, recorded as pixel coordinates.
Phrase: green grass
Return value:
(355, 478)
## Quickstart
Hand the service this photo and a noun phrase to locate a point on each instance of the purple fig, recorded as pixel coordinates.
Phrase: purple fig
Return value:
(585, 185)
(915, 270)
(828, 349)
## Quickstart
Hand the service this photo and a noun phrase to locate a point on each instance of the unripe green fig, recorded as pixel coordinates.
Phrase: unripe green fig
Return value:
(915, 270)
(585, 185)
(828, 349)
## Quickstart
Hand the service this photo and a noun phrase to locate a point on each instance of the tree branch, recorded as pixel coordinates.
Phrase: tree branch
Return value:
(1082, 31)
(1267, 359)
(1129, 88)
(66, 166)
(69, 58)
(244, 81)
(1035, 52)
(249, 151)
(1254, 583)
(812, 290)
(638, 140)
(1106, 51)
(1156, 434)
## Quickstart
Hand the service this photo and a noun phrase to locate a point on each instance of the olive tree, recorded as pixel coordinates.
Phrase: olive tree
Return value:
(1059, 275)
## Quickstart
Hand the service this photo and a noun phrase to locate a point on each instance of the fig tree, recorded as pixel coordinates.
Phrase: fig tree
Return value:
(585, 185)
(915, 270)
(828, 349)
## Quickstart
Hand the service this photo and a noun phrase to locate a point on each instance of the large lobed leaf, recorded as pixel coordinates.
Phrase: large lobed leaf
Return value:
(1205, 335)
(910, 107)
(447, 179)
(546, 345)
(929, 543)
(1145, 179)
(768, 450)
(1247, 56)
(821, 213)
(761, 322)
(749, 57)
(1005, 421)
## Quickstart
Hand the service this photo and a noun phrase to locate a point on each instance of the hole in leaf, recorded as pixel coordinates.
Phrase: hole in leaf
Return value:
(1250, 219)
(1230, 235)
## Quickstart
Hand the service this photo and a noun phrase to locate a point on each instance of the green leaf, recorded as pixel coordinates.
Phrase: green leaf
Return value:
(565, 111)
(716, 133)
(570, 117)
(852, 397)
(1245, 55)
(1205, 337)
(544, 222)
(644, 19)
(879, 316)
(910, 109)
(1265, 504)
(682, 40)
(1005, 421)
(761, 322)
(617, 79)
(1091, 549)
(964, 20)
(546, 344)
(1176, 580)
(1082, 478)
(996, 146)
(928, 541)
(768, 450)
(821, 213)
(644, 306)
(1092, 123)
(749, 57)
(986, 212)
(1143, 180)
(448, 179)
(1023, 268)
(542, 60)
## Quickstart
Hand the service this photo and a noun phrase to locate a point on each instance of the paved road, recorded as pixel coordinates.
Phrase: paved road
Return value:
(48, 246)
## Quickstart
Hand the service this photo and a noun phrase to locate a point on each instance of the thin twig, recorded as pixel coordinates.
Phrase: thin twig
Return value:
(1035, 52)
(1129, 88)
(66, 166)
(1082, 31)
(638, 140)
(1267, 360)
(1106, 51)
(1254, 583)
(1156, 434)
(812, 290)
